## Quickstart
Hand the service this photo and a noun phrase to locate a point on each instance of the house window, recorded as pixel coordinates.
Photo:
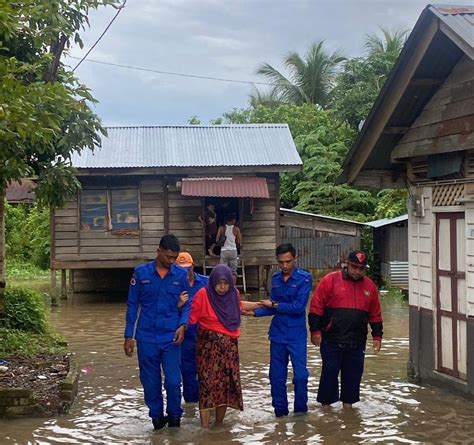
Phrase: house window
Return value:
(109, 209)
(94, 209)
(124, 209)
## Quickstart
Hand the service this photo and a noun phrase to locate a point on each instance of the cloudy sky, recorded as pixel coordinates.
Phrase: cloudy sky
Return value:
(215, 38)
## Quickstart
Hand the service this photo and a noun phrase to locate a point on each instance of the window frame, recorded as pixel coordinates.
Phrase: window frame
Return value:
(108, 226)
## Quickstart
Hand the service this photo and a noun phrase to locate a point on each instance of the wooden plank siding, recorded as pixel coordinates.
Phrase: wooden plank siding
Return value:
(447, 121)
(260, 230)
(421, 239)
(162, 209)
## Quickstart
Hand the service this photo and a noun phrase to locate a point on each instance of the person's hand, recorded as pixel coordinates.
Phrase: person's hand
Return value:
(251, 305)
(129, 346)
(316, 339)
(248, 312)
(377, 344)
(266, 303)
(183, 297)
(179, 335)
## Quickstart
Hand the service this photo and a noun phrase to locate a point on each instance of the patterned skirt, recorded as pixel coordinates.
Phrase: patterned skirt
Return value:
(217, 357)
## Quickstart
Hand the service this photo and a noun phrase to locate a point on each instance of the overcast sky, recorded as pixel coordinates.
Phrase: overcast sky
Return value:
(216, 38)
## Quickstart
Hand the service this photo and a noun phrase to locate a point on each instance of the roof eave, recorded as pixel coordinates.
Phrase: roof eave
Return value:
(411, 54)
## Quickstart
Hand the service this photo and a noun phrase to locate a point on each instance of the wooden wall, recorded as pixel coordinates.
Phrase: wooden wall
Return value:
(183, 220)
(73, 248)
(261, 228)
(392, 243)
(447, 121)
(421, 252)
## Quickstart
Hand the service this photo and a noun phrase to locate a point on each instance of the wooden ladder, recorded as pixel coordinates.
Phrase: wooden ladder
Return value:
(206, 269)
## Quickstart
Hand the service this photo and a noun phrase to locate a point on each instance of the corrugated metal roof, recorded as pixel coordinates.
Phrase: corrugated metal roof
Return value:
(315, 215)
(460, 18)
(238, 187)
(193, 146)
(387, 221)
(18, 193)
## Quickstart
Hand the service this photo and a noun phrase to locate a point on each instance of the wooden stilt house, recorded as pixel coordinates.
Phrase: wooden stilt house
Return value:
(144, 182)
(420, 135)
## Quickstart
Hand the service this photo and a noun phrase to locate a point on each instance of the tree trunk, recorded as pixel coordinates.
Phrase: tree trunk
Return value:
(2, 256)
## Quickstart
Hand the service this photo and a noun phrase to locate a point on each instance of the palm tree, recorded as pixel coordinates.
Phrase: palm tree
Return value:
(389, 43)
(267, 99)
(310, 78)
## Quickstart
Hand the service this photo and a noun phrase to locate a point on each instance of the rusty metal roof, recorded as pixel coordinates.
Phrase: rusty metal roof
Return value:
(458, 18)
(21, 192)
(238, 187)
(453, 40)
(193, 146)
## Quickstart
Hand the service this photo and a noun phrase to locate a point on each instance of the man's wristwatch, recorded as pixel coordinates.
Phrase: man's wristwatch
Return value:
(274, 304)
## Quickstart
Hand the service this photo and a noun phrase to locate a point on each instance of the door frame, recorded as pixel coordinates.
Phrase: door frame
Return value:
(454, 275)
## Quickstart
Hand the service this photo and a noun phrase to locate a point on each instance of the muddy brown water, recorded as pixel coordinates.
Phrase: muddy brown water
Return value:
(110, 409)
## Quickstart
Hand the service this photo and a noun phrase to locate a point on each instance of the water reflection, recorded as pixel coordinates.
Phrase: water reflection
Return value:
(110, 408)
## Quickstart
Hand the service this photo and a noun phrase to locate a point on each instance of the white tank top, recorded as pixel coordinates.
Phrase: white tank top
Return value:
(229, 243)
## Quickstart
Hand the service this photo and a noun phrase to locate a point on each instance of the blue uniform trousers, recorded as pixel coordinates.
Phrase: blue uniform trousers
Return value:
(189, 370)
(279, 355)
(347, 359)
(151, 358)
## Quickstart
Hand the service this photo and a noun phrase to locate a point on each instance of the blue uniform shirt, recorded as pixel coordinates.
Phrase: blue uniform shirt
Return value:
(154, 301)
(289, 318)
(200, 281)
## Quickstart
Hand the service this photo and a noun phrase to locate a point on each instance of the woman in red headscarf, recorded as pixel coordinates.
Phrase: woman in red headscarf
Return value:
(217, 309)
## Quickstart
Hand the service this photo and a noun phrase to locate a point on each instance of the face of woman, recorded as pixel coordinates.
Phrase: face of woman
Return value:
(222, 287)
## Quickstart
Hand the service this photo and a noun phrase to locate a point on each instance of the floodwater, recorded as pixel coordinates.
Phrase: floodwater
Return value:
(110, 409)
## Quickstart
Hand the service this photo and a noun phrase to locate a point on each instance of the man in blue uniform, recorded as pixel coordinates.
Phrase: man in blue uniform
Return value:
(289, 296)
(188, 347)
(155, 322)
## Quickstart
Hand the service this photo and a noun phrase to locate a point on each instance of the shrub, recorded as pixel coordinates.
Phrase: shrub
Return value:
(25, 310)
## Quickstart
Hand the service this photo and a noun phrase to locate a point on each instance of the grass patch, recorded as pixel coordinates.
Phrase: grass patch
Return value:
(23, 270)
(15, 342)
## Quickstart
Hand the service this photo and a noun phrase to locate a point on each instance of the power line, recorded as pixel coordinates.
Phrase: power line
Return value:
(171, 73)
(119, 10)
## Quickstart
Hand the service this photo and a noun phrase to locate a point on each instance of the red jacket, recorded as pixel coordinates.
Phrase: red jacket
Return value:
(341, 308)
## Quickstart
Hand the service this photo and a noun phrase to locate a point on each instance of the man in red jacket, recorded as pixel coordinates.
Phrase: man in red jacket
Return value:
(342, 305)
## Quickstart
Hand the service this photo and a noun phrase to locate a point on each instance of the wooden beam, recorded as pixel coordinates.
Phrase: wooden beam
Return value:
(379, 179)
(465, 47)
(436, 145)
(391, 100)
(425, 82)
(395, 130)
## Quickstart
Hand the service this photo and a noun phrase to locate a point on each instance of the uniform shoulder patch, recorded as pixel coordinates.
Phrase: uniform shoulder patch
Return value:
(133, 280)
(304, 272)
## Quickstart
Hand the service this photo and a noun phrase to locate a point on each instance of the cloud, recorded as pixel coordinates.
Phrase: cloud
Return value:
(217, 38)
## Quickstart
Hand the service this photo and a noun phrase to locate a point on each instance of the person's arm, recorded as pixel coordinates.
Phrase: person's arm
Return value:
(238, 235)
(298, 305)
(220, 232)
(196, 307)
(316, 310)
(131, 317)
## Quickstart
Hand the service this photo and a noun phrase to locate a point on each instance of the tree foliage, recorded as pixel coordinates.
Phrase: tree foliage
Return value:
(310, 78)
(27, 234)
(45, 113)
(362, 78)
